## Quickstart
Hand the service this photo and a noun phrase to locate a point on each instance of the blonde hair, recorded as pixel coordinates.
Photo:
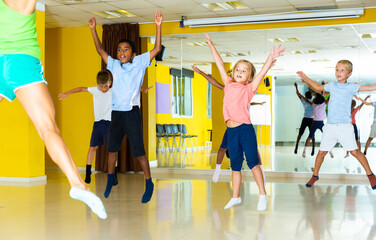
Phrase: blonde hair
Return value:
(348, 64)
(252, 69)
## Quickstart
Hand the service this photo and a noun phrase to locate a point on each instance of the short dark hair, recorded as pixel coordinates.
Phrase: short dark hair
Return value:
(319, 99)
(104, 77)
(130, 42)
(308, 94)
(353, 103)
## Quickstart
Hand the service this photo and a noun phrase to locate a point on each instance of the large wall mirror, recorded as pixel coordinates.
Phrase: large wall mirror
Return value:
(189, 110)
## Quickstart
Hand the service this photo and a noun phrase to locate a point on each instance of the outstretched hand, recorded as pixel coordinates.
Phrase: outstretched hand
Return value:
(208, 38)
(277, 52)
(147, 89)
(61, 96)
(302, 75)
(92, 22)
(196, 69)
(158, 18)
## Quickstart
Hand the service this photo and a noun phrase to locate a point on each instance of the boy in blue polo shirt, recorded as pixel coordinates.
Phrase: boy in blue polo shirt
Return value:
(339, 127)
(128, 72)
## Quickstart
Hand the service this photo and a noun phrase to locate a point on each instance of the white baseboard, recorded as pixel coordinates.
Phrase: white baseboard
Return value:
(23, 181)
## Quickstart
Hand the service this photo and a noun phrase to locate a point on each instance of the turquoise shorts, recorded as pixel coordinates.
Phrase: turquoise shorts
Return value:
(17, 71)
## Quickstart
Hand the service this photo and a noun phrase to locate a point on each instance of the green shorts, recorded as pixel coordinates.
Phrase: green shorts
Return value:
(17, 71)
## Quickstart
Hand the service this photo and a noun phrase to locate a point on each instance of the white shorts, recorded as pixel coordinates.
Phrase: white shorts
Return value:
(372, 134)
(342, 133)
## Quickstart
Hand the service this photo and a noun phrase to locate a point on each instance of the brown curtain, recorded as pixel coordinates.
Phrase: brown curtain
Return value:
(112, 34)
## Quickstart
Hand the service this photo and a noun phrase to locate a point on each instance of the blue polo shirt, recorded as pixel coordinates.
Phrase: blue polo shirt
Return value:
(374, 112)
(127, 81)
(341, 95)
(308, 109)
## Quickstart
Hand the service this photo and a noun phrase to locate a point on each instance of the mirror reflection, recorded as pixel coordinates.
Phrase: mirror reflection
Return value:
(189, 117)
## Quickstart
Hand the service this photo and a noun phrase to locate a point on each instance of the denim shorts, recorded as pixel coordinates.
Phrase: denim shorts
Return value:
(17, 71)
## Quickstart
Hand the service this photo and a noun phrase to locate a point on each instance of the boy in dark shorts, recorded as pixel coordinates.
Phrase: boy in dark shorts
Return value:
(102, 97)
(128, 71)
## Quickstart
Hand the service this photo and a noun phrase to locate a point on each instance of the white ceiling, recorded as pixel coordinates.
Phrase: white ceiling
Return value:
(61, 13)
(330, 44)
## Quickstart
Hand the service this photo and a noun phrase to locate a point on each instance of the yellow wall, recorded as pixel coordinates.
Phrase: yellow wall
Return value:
(199, 123)
(72, 61)
(21, 149)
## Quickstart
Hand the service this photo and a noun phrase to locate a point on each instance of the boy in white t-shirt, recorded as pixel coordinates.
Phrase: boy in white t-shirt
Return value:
(102, 97)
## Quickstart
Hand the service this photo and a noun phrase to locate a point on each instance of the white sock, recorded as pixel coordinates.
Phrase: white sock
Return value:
(216, 173)
(262, 203)
(90, 199)
(233, 202)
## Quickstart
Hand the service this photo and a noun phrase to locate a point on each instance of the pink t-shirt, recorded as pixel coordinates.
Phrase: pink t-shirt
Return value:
(319, 113)
(236, 101)
(355, 111)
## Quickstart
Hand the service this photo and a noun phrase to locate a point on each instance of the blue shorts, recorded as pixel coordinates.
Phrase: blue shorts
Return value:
(315, 125)
(242, 139)
(224, 143)
(100, 133)
(356, 132)
(17, 71)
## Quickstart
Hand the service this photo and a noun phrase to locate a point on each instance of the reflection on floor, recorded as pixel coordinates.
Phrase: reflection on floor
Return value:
(280, 159)
(188, 209)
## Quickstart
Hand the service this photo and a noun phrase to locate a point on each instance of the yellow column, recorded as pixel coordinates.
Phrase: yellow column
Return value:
(21, 149)
(219, 126)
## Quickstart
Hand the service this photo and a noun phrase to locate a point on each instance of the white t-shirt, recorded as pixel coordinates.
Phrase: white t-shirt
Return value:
(102, 103)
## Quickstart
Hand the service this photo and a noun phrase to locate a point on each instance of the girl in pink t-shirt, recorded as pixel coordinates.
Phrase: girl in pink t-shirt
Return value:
(239, 90)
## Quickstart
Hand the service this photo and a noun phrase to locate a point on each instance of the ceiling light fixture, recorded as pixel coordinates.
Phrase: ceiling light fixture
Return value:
(268, 18)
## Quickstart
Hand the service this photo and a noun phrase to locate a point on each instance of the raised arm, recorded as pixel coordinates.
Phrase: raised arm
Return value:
(97, 42)
(361, 105)
(368, 87)
(297, 91)
(22, 6)
(158, 18)
(312, 84)
(74, 90)
(365, 102)
(209, 78)
(217, 59)
(270, 61)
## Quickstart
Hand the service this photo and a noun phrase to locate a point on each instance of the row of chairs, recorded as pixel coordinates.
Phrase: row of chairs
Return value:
(167, 131)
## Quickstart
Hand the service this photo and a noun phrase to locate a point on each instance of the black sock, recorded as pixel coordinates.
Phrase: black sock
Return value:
(88, 173)
(149, 187)
(110, 183)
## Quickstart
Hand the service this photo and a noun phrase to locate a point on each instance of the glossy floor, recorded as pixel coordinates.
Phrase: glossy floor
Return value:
(279, 159)
(188, 209)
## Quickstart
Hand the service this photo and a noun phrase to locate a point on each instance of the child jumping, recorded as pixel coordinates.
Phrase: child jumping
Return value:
(372, 133)
(223, 149)
(319, 115)
(241, 134)
(339, 127)
(21, 76)
(102, 97)
(128, 72)
(354, 111)
(307, 119)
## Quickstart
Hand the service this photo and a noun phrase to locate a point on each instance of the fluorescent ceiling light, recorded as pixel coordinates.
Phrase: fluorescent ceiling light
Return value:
(278, 17)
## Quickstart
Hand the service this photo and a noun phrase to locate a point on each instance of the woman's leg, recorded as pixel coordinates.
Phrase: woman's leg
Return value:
(367, 145)
(37, 102)
(38, 105)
